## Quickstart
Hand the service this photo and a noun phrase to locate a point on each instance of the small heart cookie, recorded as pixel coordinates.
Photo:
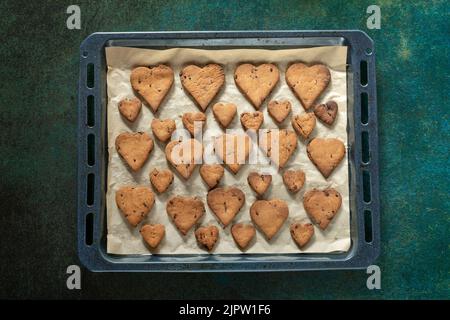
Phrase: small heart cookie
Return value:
(326, 112)
(243, 233)
(279, 110)
(256, 82)
(185, 212)
(161, 179)
(224, 113)
(326, 154)
(152, 84)
(233, 149)
(184, 155)
(252, 120)
(322, 205)
(202, 84)
(134, 148)
(259, 182)
(302, 233)
(153, 234)
(163, 129)
(308, 83)
(135, 203)
(225, 203)
(304, 124)
(286, 141)
(211, 174)
(130, 108)
(194, 122)
(269, 215)
(207, 236)
(294, 180)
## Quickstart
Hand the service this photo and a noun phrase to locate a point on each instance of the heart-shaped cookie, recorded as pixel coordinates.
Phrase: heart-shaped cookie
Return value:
(322, 205)
(161, 179)
(304, 124)
(224, 113)
(185, 212)
(225, 203)
(163, 129)
(153, 234)
(326, 154)
(130, 108)
(252, 120)
(326, 112)
(135, 203)
(233, 149)
(194, 122)
(279, 110)
(134, 148)
(207, 236)
(243, 233)
(269, 215)
(256, 82)
(259, 182)
(294, 180)
(302, 232)
(307, 83)
(152, 84)
(184, 155)
(286, 140)
(211, 174)
(202, 84)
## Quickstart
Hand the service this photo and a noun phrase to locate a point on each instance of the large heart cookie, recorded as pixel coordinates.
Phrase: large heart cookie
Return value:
(161, 179)
(326, 112)
(135, 203)
(153, 234)
(286, 140)
(134, 148)
(307, 83)
(269, 215)
(243, 233)
(302, 232)
(211, 174)
(202, 84)
(184, 155)
(224, 113)
(185, 212)
(259, 182)
(256, 82)
(233, 150)
(304, 124)
(225, 203)
(194, 122)
(152, 84)
(279, 110)
(252, 120)
(326, 154)
(207, 236)
(322, 205)
(163, 129)
(130, 108)
(294, 180)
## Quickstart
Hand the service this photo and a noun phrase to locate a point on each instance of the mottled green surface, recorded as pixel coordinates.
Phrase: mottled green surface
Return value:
(39, 61)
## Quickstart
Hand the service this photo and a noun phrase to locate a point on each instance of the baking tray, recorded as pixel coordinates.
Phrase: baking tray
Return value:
(362, 152)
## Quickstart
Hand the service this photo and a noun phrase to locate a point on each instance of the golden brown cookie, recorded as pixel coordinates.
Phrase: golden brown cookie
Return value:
(279, 110)
(152, 83)
(304, 124)
(256, 82)
(207, 236)
(252, 120)
(259, 182)
(302, 232)
(135, 203)
(322, 205)
(269, 215)
(233, 149)
(163, 129)
(308, 83)
(153, 234)
(243, 233)
(202, 84)
(326, 154)
(211, 174)
(134, 148)
(161, 179)
(194, 121)
(225, 203)
(130, 108)
(224, 113)
(185, 212)
(326, 112)
(294, 180)
(184, 155)
(286, 140)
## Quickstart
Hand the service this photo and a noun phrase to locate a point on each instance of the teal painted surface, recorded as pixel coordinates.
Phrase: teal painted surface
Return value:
(39, 58)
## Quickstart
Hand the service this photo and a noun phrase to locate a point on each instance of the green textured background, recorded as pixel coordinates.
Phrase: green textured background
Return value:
(38, 88)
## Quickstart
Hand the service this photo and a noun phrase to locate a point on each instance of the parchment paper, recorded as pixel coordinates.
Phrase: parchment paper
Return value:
(122, 239)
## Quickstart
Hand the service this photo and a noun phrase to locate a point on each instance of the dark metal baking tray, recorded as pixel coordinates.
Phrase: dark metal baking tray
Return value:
(362, 152)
